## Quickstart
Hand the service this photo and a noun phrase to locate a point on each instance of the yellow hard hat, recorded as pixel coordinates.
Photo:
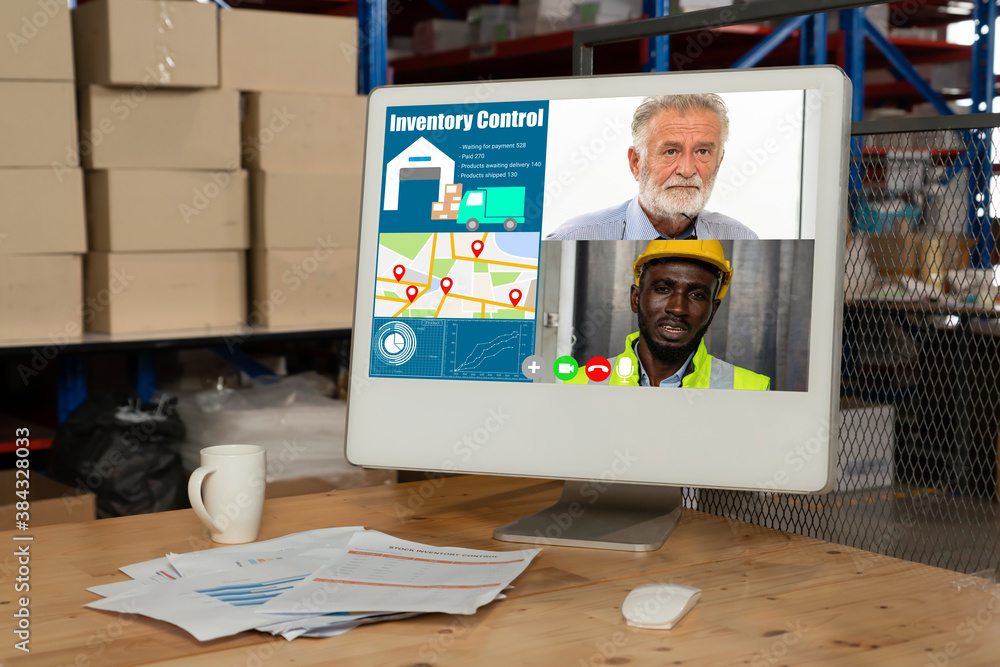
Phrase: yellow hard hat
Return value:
(704, 251)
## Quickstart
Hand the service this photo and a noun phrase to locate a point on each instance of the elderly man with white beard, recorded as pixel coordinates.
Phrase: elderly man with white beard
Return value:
(678, 142)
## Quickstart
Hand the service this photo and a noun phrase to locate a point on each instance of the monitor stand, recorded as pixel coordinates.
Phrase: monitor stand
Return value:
(599, 515)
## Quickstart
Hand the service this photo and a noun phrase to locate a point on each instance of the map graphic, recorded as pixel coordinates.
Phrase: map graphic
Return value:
(483, 275)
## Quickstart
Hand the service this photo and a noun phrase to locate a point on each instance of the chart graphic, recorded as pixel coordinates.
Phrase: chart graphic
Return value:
(253, 594)
(459, 349)
(396, 343)
(499, 354)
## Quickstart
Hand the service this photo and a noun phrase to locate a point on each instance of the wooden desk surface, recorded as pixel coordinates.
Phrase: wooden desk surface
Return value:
(770, 598)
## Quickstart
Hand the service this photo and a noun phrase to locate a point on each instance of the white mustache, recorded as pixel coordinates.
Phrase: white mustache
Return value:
(679, 181)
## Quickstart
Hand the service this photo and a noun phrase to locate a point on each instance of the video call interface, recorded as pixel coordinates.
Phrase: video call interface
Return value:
(476, 197)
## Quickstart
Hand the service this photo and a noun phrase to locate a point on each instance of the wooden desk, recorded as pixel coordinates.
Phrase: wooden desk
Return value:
(770, 598)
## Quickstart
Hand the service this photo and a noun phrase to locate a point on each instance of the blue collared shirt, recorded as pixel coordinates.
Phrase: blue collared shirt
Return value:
(628, 221)
(673, 381)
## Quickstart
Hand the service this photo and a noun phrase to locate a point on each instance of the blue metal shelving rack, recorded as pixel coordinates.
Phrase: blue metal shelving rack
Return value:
(808, 17)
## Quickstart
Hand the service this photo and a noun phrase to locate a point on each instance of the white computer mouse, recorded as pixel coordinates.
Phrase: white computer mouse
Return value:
(659, 606)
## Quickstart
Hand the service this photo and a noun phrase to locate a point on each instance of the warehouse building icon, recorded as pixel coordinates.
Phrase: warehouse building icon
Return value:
(421, 161)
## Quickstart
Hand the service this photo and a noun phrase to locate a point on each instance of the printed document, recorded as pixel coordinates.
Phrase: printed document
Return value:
(378, 572)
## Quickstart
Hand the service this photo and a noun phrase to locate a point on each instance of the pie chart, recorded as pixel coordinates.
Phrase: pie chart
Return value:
(393, 344)
(396, 343)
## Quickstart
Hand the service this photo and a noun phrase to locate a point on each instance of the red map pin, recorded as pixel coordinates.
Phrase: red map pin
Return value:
(446, 285)
(399, 271)
(411, 292)
(477, 247)
(515, 296)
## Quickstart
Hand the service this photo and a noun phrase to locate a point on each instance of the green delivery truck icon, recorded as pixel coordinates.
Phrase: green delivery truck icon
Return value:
(492, 206)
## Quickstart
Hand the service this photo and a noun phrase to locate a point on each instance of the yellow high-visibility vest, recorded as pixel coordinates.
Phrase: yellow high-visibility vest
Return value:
(704, 372)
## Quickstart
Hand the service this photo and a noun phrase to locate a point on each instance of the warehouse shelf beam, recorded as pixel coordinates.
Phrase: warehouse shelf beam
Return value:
(853, 62)
(903, 66)
(373, 18)
(585, 39)
(142, 374)
(446, 11)
(852, 25)
(72, 384)
(658, 54)
(784, 30)
(813, 41)
(980, 151)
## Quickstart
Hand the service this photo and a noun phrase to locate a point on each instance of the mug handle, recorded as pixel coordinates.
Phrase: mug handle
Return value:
(194, 495)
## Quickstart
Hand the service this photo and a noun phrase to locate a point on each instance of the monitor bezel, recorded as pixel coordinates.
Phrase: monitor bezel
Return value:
(536, 430)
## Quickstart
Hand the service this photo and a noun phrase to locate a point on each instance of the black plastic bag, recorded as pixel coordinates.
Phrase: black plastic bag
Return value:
(124, 453)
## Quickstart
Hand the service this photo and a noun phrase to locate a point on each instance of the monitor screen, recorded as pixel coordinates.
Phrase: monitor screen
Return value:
(631, 278)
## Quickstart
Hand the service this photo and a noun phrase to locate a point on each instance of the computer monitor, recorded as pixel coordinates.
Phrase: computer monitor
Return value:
(515, 316)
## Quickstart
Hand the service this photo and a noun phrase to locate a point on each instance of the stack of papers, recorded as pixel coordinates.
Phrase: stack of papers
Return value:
(319, 583)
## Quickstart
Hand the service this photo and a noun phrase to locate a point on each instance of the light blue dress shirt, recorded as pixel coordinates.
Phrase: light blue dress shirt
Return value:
(628, 221)
(672, 382)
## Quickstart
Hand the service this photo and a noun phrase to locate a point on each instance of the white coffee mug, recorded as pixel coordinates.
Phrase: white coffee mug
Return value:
(227, 491)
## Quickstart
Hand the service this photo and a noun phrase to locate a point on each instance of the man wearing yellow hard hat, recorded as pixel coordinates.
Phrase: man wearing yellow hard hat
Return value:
(678, 287)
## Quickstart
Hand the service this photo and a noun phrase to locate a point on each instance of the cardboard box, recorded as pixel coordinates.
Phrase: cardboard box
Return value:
(281, 51)
(312, 287)
(941, 253)
(164, 291)
(42, 212)
(141, 210)
(150, 44)
(51, 502)
(159, 129)
(296, 132)
(896, 251)
(40, 296)
(39, 124)
(296, 210)
(38, 42)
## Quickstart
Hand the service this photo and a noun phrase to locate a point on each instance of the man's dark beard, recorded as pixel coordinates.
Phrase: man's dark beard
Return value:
(669, 354)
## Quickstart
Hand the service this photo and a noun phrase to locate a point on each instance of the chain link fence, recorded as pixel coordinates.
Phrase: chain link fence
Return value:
(920, 372)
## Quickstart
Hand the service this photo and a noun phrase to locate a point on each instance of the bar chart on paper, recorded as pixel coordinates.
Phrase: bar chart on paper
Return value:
(251, 594)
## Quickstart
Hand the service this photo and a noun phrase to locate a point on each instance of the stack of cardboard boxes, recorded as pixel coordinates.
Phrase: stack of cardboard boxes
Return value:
(448, 209)
(303, 140)
(42, 234)
(167, 203)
